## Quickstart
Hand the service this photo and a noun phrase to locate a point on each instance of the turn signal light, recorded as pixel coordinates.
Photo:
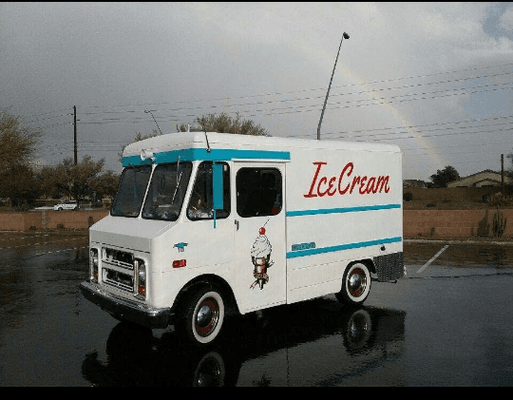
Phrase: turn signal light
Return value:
(179, 263)
(141, 278)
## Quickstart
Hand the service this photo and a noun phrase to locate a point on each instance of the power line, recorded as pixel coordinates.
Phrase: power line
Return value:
(302, 104)
(293, 109)
(316, 98)
(49, 112)
(410, 97)
(422, 127)
(140, 106)
(46, 119)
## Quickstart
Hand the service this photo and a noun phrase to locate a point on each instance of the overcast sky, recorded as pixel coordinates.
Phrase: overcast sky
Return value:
(433, 78)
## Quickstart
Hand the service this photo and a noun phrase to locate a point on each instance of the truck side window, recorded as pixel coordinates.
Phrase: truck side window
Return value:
(201, 203)
(259, 192)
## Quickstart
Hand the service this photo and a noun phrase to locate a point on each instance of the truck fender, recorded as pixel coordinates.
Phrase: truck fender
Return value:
(369, 263)
(211, 281)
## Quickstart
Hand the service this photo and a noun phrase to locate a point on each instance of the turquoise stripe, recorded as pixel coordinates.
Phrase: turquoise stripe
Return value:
(341, 247)
(342, 210)
(196, 154)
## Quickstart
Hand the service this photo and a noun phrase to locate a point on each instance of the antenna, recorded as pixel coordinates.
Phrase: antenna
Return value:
(344, 36)
(203, 125)
(206, 138)
(150, 111)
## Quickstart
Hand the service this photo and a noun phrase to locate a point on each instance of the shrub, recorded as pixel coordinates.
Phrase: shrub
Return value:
(499, 200)
(499, 223)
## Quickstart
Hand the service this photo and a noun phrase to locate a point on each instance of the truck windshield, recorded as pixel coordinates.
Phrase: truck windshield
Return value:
(167, 191)
(165, 195)
(130, 195)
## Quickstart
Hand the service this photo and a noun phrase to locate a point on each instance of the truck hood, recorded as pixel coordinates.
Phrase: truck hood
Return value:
(129, 233)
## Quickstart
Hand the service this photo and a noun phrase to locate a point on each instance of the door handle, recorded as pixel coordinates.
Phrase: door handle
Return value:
(237, 223)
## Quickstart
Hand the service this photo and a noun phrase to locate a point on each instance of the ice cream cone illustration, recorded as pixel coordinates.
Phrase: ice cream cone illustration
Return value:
(261, 259)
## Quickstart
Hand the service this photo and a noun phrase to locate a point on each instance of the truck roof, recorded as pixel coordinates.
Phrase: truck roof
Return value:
(198, 140)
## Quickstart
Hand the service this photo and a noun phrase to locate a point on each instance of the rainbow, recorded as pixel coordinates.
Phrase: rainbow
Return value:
(438, 159)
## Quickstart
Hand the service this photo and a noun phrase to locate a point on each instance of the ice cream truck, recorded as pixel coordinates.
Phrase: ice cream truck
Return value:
(204, 222)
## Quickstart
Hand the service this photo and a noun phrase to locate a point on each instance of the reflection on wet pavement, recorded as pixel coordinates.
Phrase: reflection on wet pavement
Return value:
(449, 325)
(318, 343)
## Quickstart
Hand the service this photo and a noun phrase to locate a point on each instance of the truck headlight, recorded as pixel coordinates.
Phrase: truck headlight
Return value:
(93, 264)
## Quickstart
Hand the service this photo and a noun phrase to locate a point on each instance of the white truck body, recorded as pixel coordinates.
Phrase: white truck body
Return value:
(329, 205)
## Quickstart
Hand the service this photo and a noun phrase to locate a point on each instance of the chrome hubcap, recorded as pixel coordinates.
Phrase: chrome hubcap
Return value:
(357, 282)
(207, 317)
(204, 316)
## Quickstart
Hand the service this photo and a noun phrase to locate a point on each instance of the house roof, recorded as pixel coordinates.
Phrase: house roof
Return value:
(478, 177)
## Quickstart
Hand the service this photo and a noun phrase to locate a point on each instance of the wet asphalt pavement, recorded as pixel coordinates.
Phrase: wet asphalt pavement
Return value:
(451, 324)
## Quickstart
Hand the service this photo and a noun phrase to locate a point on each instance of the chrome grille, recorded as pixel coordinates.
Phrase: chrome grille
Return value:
(118, 269)
(118, 279)
(118, 257)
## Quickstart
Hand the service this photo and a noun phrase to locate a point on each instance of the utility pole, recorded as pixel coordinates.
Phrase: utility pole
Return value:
(75, 134)
(344, 36)
(75, 150)
(502, 173)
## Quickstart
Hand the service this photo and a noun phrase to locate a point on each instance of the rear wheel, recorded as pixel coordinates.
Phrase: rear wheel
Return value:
(204, 315)
(356, 284)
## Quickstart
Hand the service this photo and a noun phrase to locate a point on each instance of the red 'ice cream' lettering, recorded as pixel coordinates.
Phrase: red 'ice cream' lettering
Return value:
(322, 185)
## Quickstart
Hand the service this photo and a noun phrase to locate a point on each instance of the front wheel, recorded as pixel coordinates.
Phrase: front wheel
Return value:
(204, 315)
(356, 284)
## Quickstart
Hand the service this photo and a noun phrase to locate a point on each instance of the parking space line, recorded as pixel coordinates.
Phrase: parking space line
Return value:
(39, 243)
(432, 259)
(56, 251)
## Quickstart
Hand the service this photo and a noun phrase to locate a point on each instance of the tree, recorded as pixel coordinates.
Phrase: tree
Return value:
(85, 174)
(19, 184)
(75, 180)
(211, 123)
(138, 137)
(443, 177)
(225, 124)
(17, 147)
(105, 184)
(45, 182)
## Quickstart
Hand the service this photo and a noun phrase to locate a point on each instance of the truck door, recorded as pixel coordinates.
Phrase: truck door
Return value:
(260, 250)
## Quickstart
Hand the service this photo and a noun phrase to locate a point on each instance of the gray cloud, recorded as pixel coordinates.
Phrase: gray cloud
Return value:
(417, 68)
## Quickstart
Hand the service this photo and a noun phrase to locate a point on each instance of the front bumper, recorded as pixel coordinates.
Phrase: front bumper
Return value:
(126, 310)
